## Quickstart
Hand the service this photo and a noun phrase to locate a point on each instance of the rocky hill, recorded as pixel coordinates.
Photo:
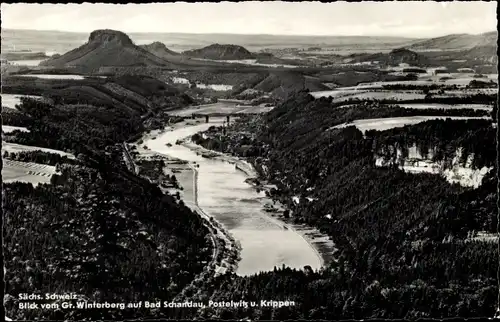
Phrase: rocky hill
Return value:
(106, 48)
(393, 58)
(405, 56)
(159, 49)
(136, 95)
(281, 84)
(220, 52)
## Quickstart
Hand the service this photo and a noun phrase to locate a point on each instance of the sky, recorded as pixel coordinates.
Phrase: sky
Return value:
(403, 19)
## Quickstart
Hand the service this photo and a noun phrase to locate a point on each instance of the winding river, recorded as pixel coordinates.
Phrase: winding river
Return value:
(223, 194)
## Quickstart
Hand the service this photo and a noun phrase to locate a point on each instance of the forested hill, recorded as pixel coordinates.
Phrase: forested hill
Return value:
(393, 58)
(124, 103)
(159, 49)
(302, 150)
(457, 41)
(402, 238)
(220, 52)
(97, 230)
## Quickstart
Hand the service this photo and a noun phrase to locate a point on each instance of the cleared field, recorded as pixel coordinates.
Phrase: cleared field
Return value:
(11, 100)
(250, 62)
(424, 79)
(255, 109)
(456, 78)
(382, 95)
(376, 90)
(382, 124)
(221, 108)
(50, 76)
(180, 80)
(400, 95)
(215, 87)
(33, 62)
(448, 106)
(8, 128)
(26, 172)
(340, 92)
(484, 236)
(466, 92)
(14, 147)
(380, 85)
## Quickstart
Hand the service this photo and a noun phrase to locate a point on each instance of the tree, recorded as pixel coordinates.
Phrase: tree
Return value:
(53, 179)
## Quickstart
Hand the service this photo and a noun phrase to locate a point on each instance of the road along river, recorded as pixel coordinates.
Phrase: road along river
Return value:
(223, 194)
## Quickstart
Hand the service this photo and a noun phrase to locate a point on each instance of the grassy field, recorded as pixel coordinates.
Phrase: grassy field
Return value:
(383, 124)
(382, 95)
(221, 108)
(14, 147)
(26, 172)
(448, 106)
(8, 128)
(11, 100)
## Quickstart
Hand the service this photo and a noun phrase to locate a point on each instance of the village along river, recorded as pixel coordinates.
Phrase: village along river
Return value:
(223, 194)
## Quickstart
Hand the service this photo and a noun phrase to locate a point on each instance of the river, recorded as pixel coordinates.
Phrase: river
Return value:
(223, 194)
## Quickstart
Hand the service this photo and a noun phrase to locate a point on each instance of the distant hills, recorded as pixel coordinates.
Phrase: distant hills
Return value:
(159, 49)
(406, 56)
(456, 42)
(220, 52)
(59, 41)
(483, 54)
(106, 48)
(393, 58)
(24, 55)
(111, 48)
(114, 49)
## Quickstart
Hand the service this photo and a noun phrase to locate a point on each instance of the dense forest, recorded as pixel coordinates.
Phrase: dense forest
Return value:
(13, 117)
(433, 86)
(324, 115)
(427, 88)
(39, 157)
(97, 230)
(404, 239)
(154, 171)
(405, 246)
(117, 237)
(478, 98)
(66, 128)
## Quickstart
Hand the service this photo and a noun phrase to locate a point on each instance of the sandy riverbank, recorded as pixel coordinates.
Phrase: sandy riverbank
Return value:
(226, 249)
(321, 244)
(267, 240)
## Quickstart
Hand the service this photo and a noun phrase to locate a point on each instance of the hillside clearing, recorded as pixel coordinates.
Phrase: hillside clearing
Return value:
(382, 124)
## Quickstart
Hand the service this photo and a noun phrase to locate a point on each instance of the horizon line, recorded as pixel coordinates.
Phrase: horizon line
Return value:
(246, 34)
